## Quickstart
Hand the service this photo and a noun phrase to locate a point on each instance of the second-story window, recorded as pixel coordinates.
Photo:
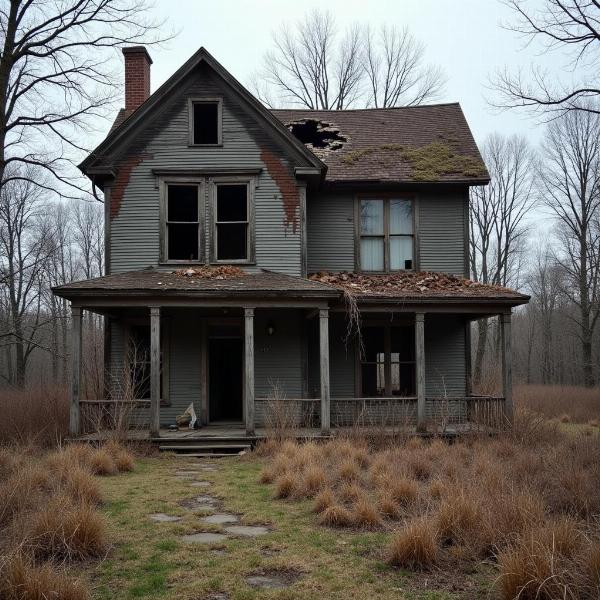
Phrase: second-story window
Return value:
(231, 222)
(386, 234)
(183, 223)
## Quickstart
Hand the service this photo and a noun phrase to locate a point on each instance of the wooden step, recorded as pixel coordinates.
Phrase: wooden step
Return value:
(207, 446)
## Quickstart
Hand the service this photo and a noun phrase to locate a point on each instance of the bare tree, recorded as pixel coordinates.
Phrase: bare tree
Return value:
(497, 220)
(395, 70)
(25, 245)
(56, 79)
(570, 176)
(315, 66)
(569, 26)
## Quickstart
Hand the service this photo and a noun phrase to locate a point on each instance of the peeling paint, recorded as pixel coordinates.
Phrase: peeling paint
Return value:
(124, 171)
(287, 187)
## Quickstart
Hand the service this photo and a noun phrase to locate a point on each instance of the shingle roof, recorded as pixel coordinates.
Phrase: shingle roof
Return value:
(407, 285)
(158, 282)
(420, 143)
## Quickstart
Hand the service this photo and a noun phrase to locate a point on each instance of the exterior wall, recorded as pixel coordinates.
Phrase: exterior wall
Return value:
(441, 228)
(134, 210)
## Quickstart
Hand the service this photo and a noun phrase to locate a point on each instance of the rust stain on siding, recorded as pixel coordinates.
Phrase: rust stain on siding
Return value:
(124, 171)
(287, 186)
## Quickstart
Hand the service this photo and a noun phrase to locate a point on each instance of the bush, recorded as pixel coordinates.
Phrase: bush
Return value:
(414, 546)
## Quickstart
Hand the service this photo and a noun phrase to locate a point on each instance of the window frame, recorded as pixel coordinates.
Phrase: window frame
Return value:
(387, 363)
(200, 184)
(386, 197)
(214, 183)
(205, 100)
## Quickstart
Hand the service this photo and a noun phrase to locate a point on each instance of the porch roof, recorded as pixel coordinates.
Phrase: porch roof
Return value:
(425, 286)
(223, 282)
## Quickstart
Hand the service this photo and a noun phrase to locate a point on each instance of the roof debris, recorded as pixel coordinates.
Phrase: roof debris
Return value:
(319, 136)
(410, 285)
(211, 272)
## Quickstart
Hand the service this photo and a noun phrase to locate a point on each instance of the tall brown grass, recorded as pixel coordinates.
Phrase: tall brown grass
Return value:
(526, 501)
(35, 415)
(49, 517)
(566, 403)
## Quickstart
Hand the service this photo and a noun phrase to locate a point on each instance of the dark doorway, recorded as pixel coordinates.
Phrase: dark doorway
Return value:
(225, 359)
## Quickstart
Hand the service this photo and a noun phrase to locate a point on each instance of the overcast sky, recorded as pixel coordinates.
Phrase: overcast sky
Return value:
(464, 37)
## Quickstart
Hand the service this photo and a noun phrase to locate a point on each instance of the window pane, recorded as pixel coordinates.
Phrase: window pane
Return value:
(373, 342)
(372, 378)
(183, 241)
(232, 203)
(402, 343)
(182, 203)
(232, 241)
(206, 123)
(371, 217)
(401, 251)
(371, 254)
(401, 220)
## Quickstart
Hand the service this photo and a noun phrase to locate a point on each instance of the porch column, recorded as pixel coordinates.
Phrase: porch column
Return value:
(506, 350)
(154, 370)
(420, 369)
(324, 370)
(74, 416)
(249, 369)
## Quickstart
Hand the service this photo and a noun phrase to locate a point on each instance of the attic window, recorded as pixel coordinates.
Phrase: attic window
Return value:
(205, 122)
(317, 134)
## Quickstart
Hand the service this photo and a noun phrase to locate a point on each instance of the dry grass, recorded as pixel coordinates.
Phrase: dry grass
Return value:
(49, 517)
(34, 416)
(490, 500)
(566, 403)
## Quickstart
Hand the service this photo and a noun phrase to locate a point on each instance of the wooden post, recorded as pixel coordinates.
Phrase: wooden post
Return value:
(154, 370)
(74, 415)
(249, 370)
(506, 339)
(420, 370)
(324, 370)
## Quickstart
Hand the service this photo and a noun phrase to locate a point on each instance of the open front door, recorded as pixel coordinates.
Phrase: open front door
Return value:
(225, 373)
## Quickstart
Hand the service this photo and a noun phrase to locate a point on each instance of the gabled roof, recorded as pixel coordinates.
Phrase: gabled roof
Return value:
(410, 144)
(127, 121)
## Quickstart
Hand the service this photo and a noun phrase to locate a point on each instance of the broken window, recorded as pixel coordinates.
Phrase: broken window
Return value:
(182, 222)
(388, 361)
(386, 234)
(206, 120)
(317, 134)
(231, 222)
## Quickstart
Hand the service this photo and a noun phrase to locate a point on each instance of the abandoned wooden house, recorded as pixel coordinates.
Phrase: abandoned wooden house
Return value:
(306, 261)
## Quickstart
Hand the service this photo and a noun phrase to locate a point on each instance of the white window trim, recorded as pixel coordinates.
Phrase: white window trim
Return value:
(205, 100)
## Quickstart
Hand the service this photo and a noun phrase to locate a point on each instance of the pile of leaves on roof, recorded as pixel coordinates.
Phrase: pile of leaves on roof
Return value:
(407, 283)
(211, 272)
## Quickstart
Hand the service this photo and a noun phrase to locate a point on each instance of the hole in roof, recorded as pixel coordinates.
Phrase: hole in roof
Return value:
(318, 134)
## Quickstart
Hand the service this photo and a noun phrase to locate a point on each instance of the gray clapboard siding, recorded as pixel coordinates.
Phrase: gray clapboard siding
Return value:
(445, 356)
(330, 232)
(442, 228)
(164, 144)
(441, 231)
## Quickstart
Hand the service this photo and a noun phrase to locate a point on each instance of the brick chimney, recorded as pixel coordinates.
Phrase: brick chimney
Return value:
(137, 76)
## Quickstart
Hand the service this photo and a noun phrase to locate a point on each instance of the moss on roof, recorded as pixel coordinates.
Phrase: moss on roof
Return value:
(428, 163)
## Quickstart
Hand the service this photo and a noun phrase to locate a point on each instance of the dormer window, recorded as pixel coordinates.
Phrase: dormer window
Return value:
(205, 121)
(386, 233)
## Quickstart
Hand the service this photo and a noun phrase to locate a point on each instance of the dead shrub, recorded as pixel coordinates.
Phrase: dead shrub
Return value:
(63, 530)
(267, 475)
(414, 546)
(285, 485)
(80, 486)
(350, 492)
(102, 463)
(21, 580)
(404, 491)
(312, 481)
(349, 470)
(388, 507)
(459, 518)
(336, 515)
(365, 514)
(323, 500)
